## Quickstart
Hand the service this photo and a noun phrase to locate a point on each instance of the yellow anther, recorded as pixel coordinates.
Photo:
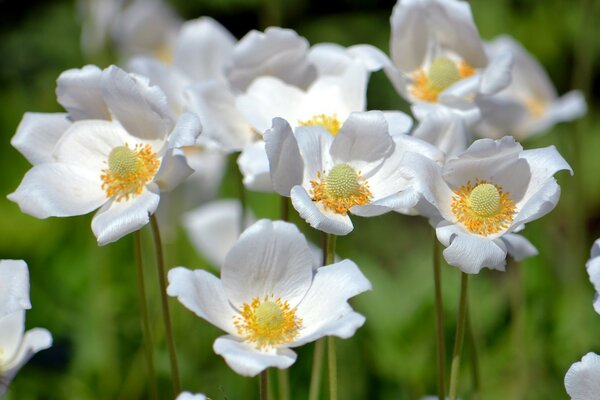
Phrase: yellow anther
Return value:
(329, 122)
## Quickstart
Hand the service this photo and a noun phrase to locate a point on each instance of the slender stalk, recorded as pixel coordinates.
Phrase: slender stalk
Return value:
(264, 385)
(145, 319)
(317, 369)
(284, 209)
(475, 375)
(439, 320)
(517, 305)
(162, 280)
(331, 356)
(460, 334)
(283, 377)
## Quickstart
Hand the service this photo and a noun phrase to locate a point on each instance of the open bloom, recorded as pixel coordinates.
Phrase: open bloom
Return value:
(270, 298)
(478, 200)
(437, 56)
(359, 170)
(582, 380)
(120, 160)
(593, 269)
(530, 104)
(16, 346)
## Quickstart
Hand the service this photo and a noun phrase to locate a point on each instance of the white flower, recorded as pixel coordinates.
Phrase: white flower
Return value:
(593, 269)
(270, 298)
(16, 346)
(529, 105)
(119, 160)
(437, 56)
(14, 286)
(190, 396)
(582, 380)
(445, 130)
(479, 199)
(360, 170)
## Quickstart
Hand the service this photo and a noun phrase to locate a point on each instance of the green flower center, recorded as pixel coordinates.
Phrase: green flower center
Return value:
(342, 181)
(123, 161)
(485, 200)
(269, 316)
(443, 73)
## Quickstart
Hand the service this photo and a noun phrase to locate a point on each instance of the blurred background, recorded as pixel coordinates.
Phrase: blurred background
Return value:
(530, 323)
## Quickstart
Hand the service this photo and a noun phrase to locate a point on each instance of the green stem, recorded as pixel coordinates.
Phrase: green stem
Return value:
(331, 356)
(145, 319)
(264, 385)
(317, 368)
(284, 210)
(476, 377)
(460, 334)
(439, 320)
(162, 280)
(284, 384)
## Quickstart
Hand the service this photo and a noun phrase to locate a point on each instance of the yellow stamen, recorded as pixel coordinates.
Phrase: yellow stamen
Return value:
(268, 323)
(535, 107)
(329, 122)
(483, 209)
(341, 189)
(443, 73)
(129, 170)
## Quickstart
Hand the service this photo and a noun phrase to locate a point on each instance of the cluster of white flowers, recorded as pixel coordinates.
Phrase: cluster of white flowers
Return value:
(297, 115)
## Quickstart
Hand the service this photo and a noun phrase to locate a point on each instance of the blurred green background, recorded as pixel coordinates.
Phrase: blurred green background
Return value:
(531, 323)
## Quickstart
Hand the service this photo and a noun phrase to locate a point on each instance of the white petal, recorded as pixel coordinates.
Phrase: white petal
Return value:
(14, 286)
(209, 168)
(203, 49)
(12, 327)
(79, 91)
(286, 165)
(222, 122)
(254, 165)
(118, 218)
(317, 217)
(469, 252)
(497, 75)
(325, 310)
(190, 396)
(314, 143)
(582, 380)
(593, 270)
(34, 340)
(37, 134)
(373, 58)
(59, 190)
(270, 258)
(214, 227)
(248, 361)
(362, 140)
(174, 170)
(399, 123)
(445, 130)
(203, 294)
(186, 131)
(141, 109)
(518, 246)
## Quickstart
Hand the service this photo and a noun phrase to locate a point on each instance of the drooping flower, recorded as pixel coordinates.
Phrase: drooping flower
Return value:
(16, 345)
(530, 104)
(270, 298)
(14, 286)
(593, 269)
(582, 380)
(119, 160)
(359, 170)
(478, 200)
(437, 56)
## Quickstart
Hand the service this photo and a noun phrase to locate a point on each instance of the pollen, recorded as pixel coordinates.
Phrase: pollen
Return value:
(268, 322)
(329, 122)
(340, 189)
(129, 170)
(443, 73)
(483, 209)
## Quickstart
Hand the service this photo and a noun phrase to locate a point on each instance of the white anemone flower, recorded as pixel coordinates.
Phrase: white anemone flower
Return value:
(593, 269)
(445, 130)
(359, 170)
(530, 104)
(120, 163)
(437, 56)
(479, 199)
(16, 345)
(582, 380)
(190, 396)
(14, 286)
(270, 298)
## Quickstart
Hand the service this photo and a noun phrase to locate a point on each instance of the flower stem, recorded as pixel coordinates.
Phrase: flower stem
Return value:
(331, 356)
(145, 319)
(264, 385)
(284, 384)
(162, 280)
(460, 334)
(439, 319)
(284, 210)
(317, 368)
(476, 395)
